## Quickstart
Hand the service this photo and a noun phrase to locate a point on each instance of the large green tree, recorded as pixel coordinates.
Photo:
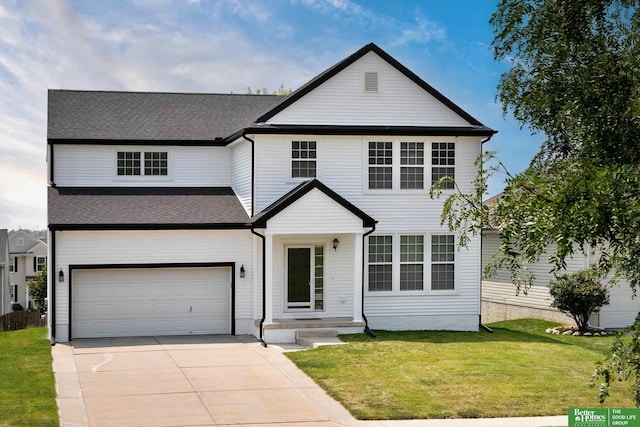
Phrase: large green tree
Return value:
(574, 77)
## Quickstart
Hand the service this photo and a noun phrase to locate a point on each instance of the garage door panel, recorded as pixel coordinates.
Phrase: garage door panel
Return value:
(156, 301)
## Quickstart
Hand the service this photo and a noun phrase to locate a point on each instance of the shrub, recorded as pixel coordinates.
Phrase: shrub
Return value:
(16, 306)
(38, 290)
(579, 295)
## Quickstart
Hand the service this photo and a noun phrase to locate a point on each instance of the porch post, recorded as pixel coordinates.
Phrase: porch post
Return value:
(357, 277)
(268, 278)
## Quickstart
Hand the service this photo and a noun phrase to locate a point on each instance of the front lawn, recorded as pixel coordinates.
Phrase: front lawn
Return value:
(516, 371)
(27, 394)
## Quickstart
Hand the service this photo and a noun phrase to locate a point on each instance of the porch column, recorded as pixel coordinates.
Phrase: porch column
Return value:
(357, 277)
(268, 278)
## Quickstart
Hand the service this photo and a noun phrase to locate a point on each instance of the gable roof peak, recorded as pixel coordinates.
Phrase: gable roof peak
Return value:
(349, 60)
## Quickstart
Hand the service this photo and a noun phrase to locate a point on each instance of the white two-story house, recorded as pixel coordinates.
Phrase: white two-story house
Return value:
(182, 213)
(27, 258)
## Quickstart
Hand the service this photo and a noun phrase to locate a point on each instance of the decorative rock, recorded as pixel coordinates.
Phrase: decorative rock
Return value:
(576, 334)
(569, 332)
(597, 334)
(549, 330)
(587, 334)
(556, 332)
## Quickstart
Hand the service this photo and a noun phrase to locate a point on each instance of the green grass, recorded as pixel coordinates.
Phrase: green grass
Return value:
(27, 394)
(516, 371)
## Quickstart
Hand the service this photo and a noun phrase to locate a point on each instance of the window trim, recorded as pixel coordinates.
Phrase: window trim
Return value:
(432, 263)
(426, 263)
(142, 176)
(434, 167)
(292, 159)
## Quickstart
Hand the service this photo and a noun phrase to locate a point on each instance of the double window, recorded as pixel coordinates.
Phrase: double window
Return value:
(410, 262)
(303, 159)
(401, 164)
(142, 163)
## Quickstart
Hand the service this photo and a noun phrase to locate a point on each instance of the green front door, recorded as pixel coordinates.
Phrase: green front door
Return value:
(299, 277)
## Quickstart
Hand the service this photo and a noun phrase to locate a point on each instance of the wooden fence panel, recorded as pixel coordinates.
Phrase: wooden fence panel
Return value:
(21, 320)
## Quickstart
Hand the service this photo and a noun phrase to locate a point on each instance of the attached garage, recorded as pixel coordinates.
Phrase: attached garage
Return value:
(117, 302)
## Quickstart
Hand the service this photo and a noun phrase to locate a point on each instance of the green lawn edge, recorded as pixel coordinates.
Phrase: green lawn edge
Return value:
(28, 392)
(517, 371)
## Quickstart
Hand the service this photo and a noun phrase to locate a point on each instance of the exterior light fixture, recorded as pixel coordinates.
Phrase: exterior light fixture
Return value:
(61, 276)
(242, 271)
(336, 242)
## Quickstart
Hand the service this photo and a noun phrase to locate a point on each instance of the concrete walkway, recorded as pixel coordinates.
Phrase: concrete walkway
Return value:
(205, 381)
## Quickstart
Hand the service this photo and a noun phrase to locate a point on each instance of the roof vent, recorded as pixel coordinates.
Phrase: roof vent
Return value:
(370, 82)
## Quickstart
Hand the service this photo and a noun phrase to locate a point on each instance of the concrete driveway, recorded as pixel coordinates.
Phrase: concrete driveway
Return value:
(186, 381)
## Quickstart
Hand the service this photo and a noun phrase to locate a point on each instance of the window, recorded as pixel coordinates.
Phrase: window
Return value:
(13, 265)
(380, 263)
(14, 293)
(155, 163)
(20, 241)
(380, 165)
(411, 263)
(319, 278)
(443, 158)
(38, 263)
(412, 165)
(303, 159)
(129, 163)
(442, 262)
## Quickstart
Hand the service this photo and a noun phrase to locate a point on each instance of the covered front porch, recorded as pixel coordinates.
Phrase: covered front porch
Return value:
(313, 261)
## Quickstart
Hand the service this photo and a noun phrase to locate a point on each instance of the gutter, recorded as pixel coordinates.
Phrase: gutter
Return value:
(367, 330)
(253, 156)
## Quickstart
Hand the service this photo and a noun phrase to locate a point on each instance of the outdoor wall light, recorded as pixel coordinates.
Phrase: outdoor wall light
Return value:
(336, 242)
(61, 276)
(242, 271)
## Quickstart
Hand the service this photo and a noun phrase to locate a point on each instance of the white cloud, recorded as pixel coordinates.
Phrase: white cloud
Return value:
(423, 32)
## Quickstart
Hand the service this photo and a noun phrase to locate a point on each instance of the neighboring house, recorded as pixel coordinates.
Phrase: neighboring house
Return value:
(501, 302)
(5, 290)
(27, 257)
(174, 213)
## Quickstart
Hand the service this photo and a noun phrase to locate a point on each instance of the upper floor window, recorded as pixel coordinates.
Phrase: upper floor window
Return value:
(442, 262)
(20, 241)
(412, 165)
(303, 159)
(130, 163)
(13, 265)
(380, 263)
(381, 165)
(38, 263)
(443, 161)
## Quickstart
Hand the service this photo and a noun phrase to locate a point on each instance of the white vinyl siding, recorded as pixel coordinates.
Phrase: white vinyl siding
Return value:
(145, 247)
(95, 165)
(342, 100)
(241, 173)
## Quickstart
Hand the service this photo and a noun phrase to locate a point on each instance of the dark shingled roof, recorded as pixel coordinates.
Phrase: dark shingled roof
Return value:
(150, 207)
(100, 115)
(260, 220)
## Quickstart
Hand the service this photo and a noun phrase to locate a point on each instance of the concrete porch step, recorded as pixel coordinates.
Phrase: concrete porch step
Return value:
(314, 338)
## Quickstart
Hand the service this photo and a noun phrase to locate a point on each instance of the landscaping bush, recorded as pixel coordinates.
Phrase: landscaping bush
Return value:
(579, 295)
(38, 290)
(16, 306)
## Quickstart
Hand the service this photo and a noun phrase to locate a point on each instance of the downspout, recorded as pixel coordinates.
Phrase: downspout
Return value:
(367, 330)
(264, 244)
(482, 325)
(264, 302)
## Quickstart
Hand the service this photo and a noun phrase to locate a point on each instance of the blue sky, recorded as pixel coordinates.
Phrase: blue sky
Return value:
(225, 46)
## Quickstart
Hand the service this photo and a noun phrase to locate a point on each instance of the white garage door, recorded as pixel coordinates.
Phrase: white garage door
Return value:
(152, 301)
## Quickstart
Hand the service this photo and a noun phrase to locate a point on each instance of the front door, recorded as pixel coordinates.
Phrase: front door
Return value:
(299, 277)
